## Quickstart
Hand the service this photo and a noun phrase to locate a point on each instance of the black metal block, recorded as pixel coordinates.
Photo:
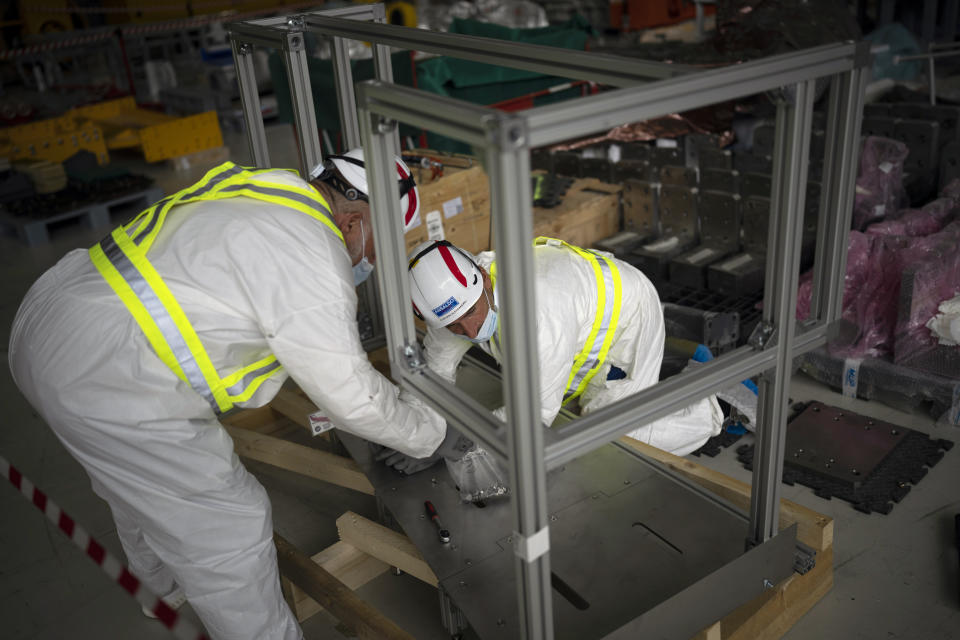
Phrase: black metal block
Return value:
(690, 269)
(621, 244)
(567, 163)
(739, 275)
(727, 180)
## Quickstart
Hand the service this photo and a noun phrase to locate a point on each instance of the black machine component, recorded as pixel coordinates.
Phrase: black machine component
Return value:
(742, 274)
(745, 309)
(621, 244)
(719, 237)
(869, 463)
(678, 220)
(719, 330)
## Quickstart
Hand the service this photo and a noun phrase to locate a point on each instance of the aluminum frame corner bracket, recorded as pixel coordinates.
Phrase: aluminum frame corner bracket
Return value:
(764, 336)
(530, 548)
(412, 357)
(506, 132)
(293, 41)
(862, 56)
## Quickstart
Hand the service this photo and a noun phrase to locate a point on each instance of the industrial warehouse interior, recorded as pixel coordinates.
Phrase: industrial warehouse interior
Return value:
(681, 361)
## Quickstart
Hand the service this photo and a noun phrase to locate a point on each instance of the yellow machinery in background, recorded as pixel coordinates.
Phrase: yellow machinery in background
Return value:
(115, 124)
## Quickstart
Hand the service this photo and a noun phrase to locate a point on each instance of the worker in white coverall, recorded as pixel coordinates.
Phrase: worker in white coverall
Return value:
(209, 300)
(599, 354)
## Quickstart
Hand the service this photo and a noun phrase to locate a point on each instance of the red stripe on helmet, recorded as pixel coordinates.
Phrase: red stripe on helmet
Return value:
(452, 265)
(411, 199)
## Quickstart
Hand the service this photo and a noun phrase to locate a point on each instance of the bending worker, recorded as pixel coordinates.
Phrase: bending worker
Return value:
(599, 322)
(209, 300)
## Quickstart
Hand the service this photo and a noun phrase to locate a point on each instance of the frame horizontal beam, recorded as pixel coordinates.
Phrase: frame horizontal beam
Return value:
(603, 425)
(259, 36)
(568, 63)
(471, 418)
(558, 122)
(440, 114)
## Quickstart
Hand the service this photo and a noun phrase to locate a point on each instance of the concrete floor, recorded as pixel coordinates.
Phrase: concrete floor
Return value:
(896, 576)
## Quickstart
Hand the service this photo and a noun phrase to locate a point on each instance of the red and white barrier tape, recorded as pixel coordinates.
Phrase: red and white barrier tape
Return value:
(180, 627)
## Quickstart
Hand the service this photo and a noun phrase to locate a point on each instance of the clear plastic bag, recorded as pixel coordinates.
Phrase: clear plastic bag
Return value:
(478, 475)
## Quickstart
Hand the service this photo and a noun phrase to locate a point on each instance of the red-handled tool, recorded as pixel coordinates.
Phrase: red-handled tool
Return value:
(432, 512)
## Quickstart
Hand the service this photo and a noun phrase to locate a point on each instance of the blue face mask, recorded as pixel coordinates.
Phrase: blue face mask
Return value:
(363, 269)
(487, 329)
(489, 326)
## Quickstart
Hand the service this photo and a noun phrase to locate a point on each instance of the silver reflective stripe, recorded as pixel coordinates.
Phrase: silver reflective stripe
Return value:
(163, 320)
(282, 193)
(185, 197)
(599, 339)
(248, 379)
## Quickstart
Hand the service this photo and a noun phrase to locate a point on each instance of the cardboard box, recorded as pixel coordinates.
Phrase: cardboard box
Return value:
(456, 207)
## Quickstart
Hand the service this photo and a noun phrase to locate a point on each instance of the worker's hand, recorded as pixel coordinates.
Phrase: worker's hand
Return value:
(454, 446)
(407, 464)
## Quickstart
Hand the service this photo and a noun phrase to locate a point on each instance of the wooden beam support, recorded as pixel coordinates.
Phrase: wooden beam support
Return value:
(301, 459)
(813, 529)
(385, 544)
(293, 406)
(347, 564)
(334, 596)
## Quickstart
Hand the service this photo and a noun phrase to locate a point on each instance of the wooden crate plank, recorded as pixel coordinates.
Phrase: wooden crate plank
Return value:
(347, 564)
(293, 406)
(386, 544)
(813, 529)
(772, 614)
(301, 459)
(335, 596)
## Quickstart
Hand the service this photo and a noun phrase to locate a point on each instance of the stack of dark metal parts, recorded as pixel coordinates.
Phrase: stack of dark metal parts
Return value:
(77, 195)
(695, 220)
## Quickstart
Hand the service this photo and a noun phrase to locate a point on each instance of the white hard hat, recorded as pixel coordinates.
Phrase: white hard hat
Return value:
(444, 282)
(351, 166)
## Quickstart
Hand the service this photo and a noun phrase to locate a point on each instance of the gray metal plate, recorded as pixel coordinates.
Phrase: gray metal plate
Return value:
(683, 176)
(624, 539)
(838, 444)
(678, 211)
(720, 219)
(640, 212)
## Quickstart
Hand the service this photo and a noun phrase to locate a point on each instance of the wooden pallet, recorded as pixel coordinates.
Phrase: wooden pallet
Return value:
(95, 215)
(366, 549)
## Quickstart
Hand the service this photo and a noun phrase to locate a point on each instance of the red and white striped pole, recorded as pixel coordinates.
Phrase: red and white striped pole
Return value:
(115, 569)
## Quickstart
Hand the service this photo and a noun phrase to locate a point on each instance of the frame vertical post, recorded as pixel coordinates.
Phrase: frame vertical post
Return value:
(346, 98)
(844, 116)
(250, 102)
(508, 165)
(794, 119)
(304, 117)
(377, 134)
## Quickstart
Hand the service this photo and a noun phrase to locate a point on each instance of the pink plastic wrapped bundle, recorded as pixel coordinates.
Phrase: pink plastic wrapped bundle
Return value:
(879, 181)
(952, 190)
(932, 276)
(918, 222)
(871, 292)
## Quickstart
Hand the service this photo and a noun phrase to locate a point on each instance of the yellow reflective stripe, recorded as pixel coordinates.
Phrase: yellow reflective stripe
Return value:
(578, 380)
(207, 188)
(248, 387)
(284, 195)
(173, 309)
(609, 299)
(137, 310)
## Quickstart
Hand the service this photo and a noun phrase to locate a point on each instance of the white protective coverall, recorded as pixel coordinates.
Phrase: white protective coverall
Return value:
(253, 278)
(566, 308)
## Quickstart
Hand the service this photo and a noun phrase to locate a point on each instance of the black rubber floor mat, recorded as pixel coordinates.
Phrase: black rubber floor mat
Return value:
(891, 479)
(717, 443)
